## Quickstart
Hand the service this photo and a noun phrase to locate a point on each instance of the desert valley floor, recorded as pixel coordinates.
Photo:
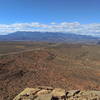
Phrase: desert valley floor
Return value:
(30, 64)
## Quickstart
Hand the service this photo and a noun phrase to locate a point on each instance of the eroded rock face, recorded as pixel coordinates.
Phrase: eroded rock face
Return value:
(49, 93)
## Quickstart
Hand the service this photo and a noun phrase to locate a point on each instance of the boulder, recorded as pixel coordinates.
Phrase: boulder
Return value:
(58, 94)
(28, 93)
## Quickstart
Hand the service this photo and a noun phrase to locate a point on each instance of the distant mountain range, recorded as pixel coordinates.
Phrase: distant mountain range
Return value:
(48, 37)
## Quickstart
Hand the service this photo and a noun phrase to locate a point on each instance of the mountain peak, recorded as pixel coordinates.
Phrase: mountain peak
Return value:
(48, 37)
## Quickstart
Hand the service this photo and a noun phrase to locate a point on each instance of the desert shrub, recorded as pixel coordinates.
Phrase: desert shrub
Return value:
(51, 56)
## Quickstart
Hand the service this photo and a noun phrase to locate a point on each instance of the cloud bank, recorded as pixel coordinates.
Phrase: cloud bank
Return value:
(65, 27)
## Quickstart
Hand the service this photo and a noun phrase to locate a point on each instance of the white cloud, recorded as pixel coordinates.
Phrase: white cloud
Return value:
(73, 27)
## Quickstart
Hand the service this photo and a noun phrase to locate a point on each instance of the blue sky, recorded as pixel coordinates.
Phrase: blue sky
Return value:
(46, 12)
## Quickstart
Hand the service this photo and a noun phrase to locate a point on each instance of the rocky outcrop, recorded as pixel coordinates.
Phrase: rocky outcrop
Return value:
(49, 93)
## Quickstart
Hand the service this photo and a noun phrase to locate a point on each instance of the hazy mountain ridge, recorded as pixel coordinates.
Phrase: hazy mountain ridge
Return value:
(47, 37)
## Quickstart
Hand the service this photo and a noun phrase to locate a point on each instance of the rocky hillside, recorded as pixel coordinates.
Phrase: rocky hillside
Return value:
(49, 93)
(67, 66)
